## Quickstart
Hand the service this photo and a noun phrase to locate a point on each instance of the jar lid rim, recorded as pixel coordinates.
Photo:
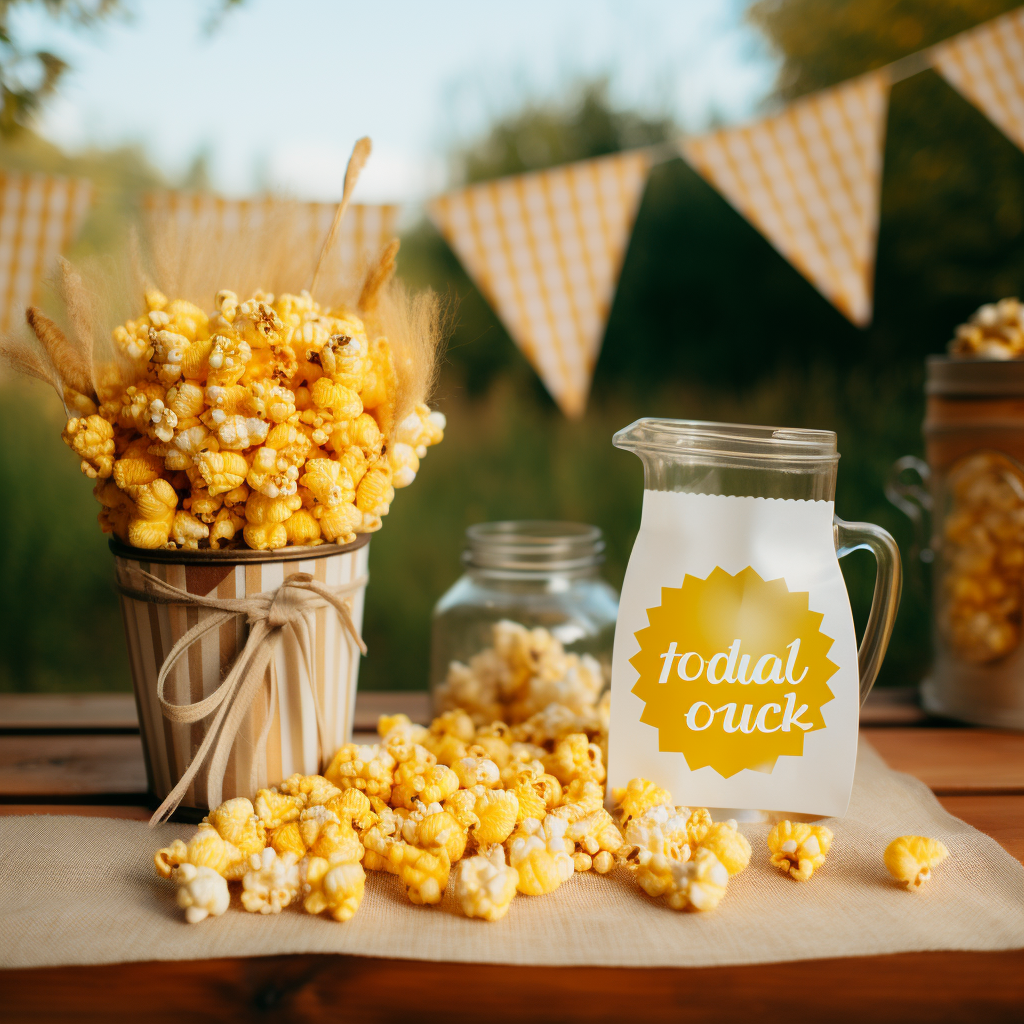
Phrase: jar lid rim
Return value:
(533, 545)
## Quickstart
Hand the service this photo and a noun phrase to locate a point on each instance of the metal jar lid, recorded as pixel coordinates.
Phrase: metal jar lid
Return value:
(974, 378)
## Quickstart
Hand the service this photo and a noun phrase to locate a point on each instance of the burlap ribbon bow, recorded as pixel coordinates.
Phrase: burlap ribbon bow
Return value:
(268, 615)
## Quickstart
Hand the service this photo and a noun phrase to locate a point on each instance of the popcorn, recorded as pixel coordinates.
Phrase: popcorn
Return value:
(982, 586)
(201, 892)
(575, 758)
(336, 888)
(799, 849)
(264, 391)
(995, 331)
(541, 855)
(275, 808)
(698, 884)
(205, 849)
(910, 859)
(638, 797)
(236, 822)
(728, 844)
(485, 885)
(271, 882)
(370, 769)
(527, 670)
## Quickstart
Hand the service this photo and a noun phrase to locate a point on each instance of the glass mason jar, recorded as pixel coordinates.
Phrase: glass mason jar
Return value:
(535, 574)
(972, 488)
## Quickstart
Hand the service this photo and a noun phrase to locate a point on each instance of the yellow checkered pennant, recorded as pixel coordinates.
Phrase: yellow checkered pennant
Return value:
(365, 229)
(986, 65)
(545, 249)
(809, 179)
(39, 217)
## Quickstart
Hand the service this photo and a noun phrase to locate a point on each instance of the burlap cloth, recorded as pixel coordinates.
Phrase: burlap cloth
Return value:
(82, 891)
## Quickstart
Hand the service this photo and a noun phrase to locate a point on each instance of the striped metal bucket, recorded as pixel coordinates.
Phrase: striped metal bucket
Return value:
(295, 740)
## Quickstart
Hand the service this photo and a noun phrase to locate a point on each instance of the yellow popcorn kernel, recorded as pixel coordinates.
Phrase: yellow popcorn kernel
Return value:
(317, 790)
(439, 828)
(497, 811)
(338, 842)
(476, 771)
(698, 824)
(536, 791)
(697, 884)
(224, 527)
(353, 806)
(186, 400)
(375, 493)
(205, 849)
(638, 797)
(446, 747)
(186, 447)
(118, 508)
(594, 833)
(236, 822)
(338, 522)
(227, 360)
(430, 784)
(236, 432)
(154, 299)
(275, 808)
(603, 862)
(454, 723)
(312, 821)
(168, 350)
(231, 400)
(222, 471)
(203, 505)
(655, 840)
(495, 739)
(910, 859)
(136, 466)
(403, 464)
(344, 356)
(257, 322)
(187, 531)
(360, 432)
(580, 798)
(728, 844)
(265, 536)
(155, 503)
(575, 757)
(400, 726)
(195, 360)
(328, 482)
(343, 402)
(485, 885)
(337, 888)
(799, 849)
(185, 317)
(461, 805)
(91, 438)
(271, 882)
(202, 892)
(538, 851)
(287, 838)
(370, 769)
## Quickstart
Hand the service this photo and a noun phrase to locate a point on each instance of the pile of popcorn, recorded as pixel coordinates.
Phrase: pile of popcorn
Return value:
(524, 672)
(995, 331)
(494, 810)
(983, 555)
(268, 422)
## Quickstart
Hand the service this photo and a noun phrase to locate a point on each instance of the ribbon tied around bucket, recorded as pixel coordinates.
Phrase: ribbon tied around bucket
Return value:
(267, 614)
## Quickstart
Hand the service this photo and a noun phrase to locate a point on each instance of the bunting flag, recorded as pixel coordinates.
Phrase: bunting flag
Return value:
(986, 65)
(546, 249)
(364, 230)
(809, 180)
(39, 217)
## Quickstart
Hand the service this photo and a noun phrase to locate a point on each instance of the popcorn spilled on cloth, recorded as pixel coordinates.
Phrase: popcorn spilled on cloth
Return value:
(500, 809)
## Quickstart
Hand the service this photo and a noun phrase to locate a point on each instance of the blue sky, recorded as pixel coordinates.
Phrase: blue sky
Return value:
(278, 94)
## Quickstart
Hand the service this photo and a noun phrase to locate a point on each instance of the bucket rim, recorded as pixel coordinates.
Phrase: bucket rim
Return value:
(235, 556)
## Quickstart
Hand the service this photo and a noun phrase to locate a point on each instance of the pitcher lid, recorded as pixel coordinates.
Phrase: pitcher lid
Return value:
(709, 439)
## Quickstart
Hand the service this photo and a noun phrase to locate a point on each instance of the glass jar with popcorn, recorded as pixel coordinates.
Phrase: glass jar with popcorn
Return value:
(529, 624)
(973, 488)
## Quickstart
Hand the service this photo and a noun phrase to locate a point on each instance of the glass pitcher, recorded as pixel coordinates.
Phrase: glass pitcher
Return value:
(736, 678)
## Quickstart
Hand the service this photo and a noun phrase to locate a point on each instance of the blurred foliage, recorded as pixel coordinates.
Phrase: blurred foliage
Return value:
(27, 77)
(709, 322)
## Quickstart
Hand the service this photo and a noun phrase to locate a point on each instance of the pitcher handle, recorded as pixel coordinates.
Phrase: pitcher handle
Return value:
(886, 599)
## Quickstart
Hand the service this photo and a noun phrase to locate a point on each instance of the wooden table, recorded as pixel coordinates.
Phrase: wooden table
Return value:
(82, 755)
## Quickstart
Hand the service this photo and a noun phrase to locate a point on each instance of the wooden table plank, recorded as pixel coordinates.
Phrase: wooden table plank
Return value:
(68, 711)
(71, 765)
(133, 812)
(911, 988)
(1001, 817)
(955, 761)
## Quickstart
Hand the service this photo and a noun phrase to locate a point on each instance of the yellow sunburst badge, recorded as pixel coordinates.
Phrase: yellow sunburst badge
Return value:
(733, 671)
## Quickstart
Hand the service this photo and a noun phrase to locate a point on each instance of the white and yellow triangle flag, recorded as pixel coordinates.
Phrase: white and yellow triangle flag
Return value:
(986, 65)
(39, 217)
(809, 180)
(545, 249)
(364, 230)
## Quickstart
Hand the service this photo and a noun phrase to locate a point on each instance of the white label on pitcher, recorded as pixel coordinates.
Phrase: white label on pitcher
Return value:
(734, 676)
